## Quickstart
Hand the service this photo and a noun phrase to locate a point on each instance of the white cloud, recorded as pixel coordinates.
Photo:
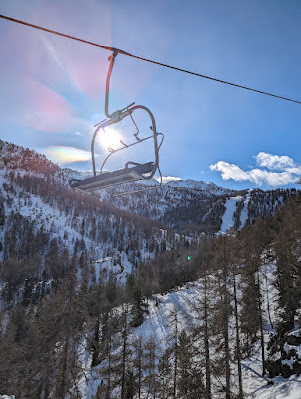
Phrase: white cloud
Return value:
(230, 171)
(296, 170)
(288, 172)
(274, 162)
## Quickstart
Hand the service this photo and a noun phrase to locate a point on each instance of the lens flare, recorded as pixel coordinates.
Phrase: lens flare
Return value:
(66, 155)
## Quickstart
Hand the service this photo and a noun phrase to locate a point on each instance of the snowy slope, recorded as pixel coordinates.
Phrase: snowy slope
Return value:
(184, 301)
(60, 220)
(228, 217)
(232, 216)
(181, 204)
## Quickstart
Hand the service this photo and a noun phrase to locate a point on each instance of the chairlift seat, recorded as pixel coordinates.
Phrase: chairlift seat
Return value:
(108, 179)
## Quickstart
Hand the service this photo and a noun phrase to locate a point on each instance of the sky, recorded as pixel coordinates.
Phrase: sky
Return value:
(52, 89)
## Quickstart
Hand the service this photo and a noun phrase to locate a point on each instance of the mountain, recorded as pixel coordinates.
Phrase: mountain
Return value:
(210, 188)
(189, 206)
(120, 296)
(40, 213)
(184, 205)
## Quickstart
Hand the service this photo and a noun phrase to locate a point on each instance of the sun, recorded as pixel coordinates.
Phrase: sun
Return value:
(110, 138)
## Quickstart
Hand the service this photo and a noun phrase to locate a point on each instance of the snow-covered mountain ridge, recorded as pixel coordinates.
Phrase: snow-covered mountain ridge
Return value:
(199, 185)
(175, 203)
(184, 205)
(209, 188)
(195, 205)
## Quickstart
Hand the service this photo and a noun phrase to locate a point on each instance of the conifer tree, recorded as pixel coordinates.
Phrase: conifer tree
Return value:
(150, 368)
(164, 372)
(137, 364)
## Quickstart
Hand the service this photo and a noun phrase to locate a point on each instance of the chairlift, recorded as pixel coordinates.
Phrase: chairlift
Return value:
(132, 171)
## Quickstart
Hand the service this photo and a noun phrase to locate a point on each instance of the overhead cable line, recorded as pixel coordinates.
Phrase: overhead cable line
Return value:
(114, 49)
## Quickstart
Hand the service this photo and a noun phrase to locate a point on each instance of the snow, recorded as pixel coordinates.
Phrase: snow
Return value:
(57, 223)
(85, 360)
(184, 301)
(288, 348)
(102, 260)
(296, 333)
(156, 203)
(198, 185)
(282, 389)
(288, 362)
(201, 185)
(228, 219)
(179, 183)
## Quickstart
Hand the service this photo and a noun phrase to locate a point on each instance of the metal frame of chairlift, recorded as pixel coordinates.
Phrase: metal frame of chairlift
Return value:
(127, 174)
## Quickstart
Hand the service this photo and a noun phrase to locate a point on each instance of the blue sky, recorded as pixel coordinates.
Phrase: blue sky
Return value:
(52, 89)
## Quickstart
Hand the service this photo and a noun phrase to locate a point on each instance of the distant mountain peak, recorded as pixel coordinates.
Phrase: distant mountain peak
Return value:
(198, 185)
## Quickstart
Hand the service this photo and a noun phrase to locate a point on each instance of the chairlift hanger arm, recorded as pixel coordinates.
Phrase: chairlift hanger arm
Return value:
(118, 115)
(112, 61)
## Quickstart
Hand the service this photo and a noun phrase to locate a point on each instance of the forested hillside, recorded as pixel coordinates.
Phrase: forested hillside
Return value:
(116, 299)
(189, 206)
(47, 229)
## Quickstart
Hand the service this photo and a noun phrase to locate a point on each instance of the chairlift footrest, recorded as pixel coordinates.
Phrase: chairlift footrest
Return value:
(108, 179)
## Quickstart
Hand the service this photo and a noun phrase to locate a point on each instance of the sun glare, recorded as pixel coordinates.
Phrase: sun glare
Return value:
(110, 138)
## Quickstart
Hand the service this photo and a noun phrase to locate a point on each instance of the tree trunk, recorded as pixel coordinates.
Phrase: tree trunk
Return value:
(261, 326)
(226, 324)
(206, 342)
(139, 368)
(63, 384)
(238, 352)
(124, 349)
(109, 364)
(176, 359)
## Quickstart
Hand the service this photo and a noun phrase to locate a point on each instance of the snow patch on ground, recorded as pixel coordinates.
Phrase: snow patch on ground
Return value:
(282, 389)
